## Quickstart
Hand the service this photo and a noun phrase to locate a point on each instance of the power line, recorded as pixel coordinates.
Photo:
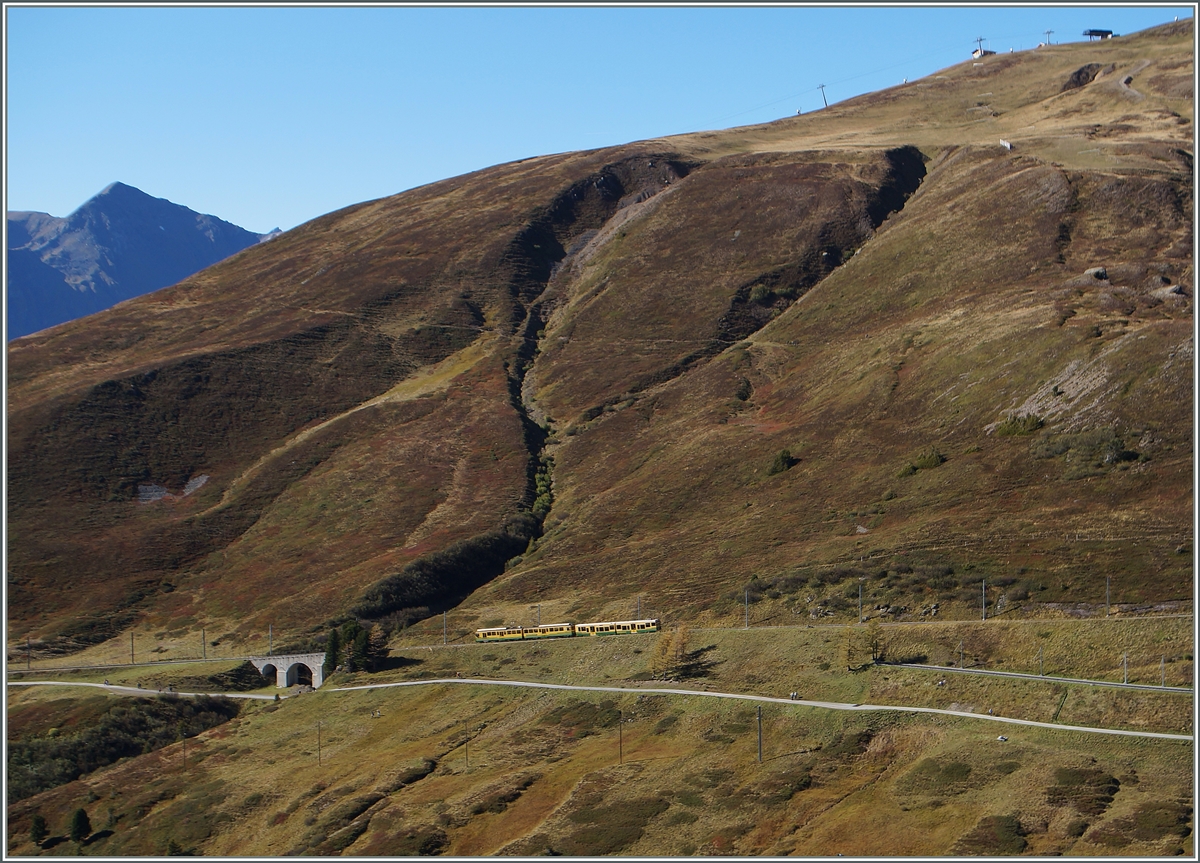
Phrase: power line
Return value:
(835, 83)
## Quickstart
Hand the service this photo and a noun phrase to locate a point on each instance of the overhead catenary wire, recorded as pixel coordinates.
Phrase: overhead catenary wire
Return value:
(877, 71)
(833, 84)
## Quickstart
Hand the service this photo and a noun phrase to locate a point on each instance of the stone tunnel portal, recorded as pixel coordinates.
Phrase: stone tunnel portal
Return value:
(303, 669)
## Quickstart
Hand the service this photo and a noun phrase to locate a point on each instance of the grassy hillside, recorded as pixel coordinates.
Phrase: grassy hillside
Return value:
(932, 346)
(471, 769)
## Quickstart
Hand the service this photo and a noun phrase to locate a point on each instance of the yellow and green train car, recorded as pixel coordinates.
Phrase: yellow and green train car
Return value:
(566, 630)
(550, 630)
(500, 633)
(617, 627)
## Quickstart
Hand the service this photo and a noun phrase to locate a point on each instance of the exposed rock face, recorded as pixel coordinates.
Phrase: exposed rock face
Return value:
(1081, 76)
(122, 243)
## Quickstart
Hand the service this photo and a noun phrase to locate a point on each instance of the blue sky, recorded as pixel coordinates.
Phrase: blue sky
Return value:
(271, 116)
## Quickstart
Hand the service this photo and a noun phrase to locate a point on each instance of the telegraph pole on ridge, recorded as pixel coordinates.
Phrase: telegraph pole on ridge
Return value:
(823, 99)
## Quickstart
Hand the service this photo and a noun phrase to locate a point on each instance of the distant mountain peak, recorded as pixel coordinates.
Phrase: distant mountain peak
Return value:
(120, 243)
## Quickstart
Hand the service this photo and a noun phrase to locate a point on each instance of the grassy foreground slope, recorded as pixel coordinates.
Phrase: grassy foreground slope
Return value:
(468, 769)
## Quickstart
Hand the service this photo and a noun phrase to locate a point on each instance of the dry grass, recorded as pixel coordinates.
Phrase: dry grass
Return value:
(364, 367)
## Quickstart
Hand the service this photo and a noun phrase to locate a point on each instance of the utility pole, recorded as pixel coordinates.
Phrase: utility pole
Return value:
(747, 608)
(1041, 664)
(270, 638)
(203, 645)
(639, 610)
(960, 654)
(1163, 666)
(131, 662)
(620, 737)
(984, 589)
(979, 39)
(444, 627)
(1048, 32)
(1107, 595)
(28, 652)
(859, 606)
(539, 614)
(467, 750)
(823, 99)
(760, 734)
(318, 744)
(1125, 664)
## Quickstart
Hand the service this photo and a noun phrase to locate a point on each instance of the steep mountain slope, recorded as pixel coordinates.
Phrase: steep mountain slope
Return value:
(932, 347)
(634, 335)
(122, 243)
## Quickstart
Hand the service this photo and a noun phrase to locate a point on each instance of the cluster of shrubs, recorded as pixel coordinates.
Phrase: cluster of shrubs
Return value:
(927, 459)
(1019, 424)
(1089, 452)
(783, 461)
(354, 648)
(444, 578)
(78, 828)
(941, 578)
(542, 485)
(128, 727)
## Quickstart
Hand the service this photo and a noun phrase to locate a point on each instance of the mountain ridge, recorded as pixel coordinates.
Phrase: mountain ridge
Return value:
(725, 250)
(106, 251)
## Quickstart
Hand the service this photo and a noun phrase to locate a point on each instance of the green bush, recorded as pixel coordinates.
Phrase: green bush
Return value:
(38, 830)
(1019, 424)
(929, 459)
(783, 461)
(543, 488)
(81, 826)
(761, 294)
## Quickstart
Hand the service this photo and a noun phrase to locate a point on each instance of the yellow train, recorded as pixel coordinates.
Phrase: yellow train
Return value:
(567, 630)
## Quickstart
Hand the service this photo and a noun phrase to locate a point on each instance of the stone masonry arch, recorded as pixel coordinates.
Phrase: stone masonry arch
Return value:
(287, 667)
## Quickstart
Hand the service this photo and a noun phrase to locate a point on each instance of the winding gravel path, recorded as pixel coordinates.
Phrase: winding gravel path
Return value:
(475, 681)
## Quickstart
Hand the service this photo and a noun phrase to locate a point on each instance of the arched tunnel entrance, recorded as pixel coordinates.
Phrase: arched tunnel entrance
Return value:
(296, 669)
(299, 674)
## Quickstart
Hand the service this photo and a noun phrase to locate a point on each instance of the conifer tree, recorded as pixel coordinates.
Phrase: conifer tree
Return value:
(81, 826)
(359, 660)
(333, 649)
(349, 657)
(377, 648)
(38, 829)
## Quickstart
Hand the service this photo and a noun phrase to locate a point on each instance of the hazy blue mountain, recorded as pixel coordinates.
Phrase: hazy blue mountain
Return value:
(122, 243)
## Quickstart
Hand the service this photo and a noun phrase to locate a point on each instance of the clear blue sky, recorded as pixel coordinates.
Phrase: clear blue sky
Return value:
(273, 115)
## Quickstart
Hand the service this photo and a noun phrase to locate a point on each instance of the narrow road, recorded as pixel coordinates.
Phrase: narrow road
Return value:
(1080, 680)
(827, 705)
(135, 690)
